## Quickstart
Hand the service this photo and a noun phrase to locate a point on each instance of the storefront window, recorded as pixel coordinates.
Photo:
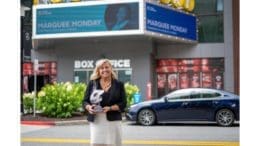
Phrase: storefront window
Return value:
(173, 74)
(124, 75)
(80, 76)
(46, 74)
(210, 20)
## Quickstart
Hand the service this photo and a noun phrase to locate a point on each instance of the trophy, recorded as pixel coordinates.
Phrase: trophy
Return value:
(95, 99)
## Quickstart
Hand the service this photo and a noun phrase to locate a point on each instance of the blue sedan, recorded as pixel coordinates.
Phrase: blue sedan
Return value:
(192, 104)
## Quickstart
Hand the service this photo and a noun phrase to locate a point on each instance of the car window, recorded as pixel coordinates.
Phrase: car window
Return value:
(210, 94)
(173, 97)
(195, 95)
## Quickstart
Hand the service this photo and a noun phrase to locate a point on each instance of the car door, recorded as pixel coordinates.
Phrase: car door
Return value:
(174, 108)
(201, 105)
(198, 108)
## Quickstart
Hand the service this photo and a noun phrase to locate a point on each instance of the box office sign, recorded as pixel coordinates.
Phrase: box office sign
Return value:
(170, 22)
(90, 64)
(86, 19)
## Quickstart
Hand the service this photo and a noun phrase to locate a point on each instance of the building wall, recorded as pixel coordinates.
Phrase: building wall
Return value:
(66, 52)
(205, 50)
(140, 51)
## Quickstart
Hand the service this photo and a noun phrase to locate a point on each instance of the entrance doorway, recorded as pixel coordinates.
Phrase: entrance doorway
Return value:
(40, 82)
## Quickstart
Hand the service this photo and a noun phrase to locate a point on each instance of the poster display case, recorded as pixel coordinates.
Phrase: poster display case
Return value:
(190, 73)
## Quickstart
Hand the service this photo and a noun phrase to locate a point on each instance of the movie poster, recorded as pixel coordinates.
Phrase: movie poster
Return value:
(218, 78)
(207, 80)
(161, 84)
(195, 80)
(172, 82)
(184, 80)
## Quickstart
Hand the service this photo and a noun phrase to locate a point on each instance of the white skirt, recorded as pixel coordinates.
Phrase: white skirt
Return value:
(104, 132)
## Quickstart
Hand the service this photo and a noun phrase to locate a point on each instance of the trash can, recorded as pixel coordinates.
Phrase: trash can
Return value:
(137, 97)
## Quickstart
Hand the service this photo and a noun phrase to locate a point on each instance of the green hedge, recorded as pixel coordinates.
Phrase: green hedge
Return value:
(62, 99)
(130, 90)
(28, 102)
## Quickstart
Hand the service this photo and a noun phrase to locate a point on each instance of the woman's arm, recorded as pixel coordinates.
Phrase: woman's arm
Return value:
(86, 105)
(122, 104)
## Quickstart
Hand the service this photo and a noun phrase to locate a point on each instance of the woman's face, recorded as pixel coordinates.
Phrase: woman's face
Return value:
(121, 14)
(105, 70)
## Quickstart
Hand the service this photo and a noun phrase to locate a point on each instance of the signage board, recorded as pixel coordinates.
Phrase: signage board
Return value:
(114, 18)
(90, 64)
(165, 21)
(86, 19)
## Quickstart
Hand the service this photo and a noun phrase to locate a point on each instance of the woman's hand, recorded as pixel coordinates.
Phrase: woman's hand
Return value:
(90, 108)
(106, 109)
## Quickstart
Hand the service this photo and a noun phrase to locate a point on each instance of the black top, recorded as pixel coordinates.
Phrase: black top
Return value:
(105, 95)
(115, 95)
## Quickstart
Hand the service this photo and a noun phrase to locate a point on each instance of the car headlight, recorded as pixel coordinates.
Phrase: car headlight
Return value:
(132, 107)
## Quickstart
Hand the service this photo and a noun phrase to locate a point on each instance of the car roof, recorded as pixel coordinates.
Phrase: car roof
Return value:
(189, 90)
(195, 89)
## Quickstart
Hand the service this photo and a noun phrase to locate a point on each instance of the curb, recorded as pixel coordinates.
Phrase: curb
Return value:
(47, 123)
(59, 123)
(75, 122)
(54, 123)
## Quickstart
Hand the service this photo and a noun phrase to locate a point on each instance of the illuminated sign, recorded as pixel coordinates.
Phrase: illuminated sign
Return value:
(86, 19)
(170, 22)
(115, 18)
(90, 64)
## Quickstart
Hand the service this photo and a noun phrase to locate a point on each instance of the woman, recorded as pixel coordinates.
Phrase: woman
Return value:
(105, 125)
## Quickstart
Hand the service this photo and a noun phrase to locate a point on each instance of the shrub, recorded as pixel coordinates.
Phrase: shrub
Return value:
(61, 99)
(28, 102)
(130, 91)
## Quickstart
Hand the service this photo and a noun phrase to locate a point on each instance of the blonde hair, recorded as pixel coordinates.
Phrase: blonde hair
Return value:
(95, 75)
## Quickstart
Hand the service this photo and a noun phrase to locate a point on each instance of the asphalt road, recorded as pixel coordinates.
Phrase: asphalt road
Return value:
(170, 134)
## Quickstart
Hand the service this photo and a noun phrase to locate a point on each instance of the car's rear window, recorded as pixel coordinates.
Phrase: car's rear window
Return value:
(210, 95)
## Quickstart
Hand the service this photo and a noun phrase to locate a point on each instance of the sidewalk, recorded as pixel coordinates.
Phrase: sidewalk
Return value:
(38, 119)
(59, 122)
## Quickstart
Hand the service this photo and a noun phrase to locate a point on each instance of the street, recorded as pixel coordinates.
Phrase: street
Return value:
(169, 134)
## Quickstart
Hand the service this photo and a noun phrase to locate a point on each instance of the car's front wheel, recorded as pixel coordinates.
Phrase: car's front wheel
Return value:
(225, 117)
(146, 117)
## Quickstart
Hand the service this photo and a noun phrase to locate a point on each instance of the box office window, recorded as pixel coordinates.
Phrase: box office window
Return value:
(210, 20)
(80, 76)
(124, 75)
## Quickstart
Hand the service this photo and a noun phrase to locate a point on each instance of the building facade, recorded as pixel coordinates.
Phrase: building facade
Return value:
(155, 65)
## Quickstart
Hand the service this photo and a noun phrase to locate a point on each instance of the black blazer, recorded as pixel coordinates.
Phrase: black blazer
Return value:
(117, 96)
